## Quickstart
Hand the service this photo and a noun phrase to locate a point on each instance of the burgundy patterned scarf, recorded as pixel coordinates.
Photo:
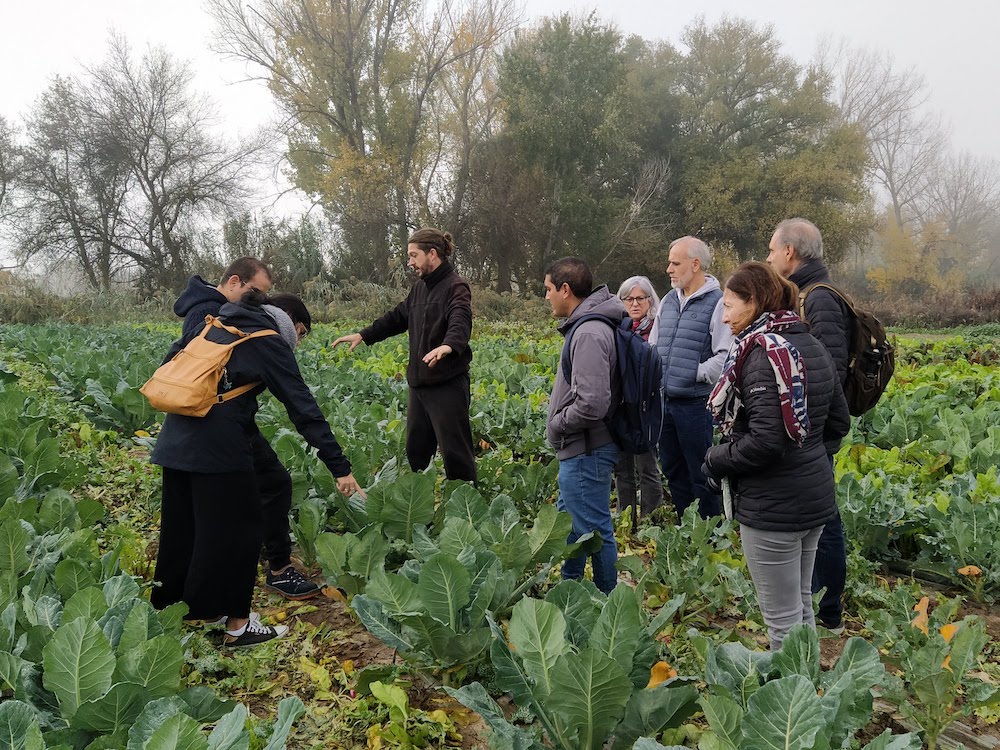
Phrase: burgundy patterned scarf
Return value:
(789, 373)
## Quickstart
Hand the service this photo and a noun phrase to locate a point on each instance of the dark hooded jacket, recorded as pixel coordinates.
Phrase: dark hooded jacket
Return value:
(782, 487)
(827, 316)
(577, 409)
(197, 300)
(437, 311)
(220, 442)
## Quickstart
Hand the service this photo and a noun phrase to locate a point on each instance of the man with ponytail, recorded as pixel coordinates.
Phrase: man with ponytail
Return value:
(437, 314)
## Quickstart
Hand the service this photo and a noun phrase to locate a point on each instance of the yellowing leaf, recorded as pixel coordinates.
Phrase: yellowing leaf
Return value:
(138, 433)
(661, 672)
(920, 621)
(948, 631)
(348, 666)
(970, 571)
(947, 660)
(332, 592)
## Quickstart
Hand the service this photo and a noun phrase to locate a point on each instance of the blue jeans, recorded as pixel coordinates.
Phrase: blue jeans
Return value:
(585, 493)
(684, 439)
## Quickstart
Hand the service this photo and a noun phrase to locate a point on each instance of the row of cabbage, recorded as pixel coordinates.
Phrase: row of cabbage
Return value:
(460, 581)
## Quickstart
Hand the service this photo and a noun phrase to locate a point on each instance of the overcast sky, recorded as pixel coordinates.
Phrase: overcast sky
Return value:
(954, 45)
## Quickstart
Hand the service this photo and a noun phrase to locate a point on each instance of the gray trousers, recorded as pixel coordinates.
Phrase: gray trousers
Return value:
(781, 566)
(650, 486)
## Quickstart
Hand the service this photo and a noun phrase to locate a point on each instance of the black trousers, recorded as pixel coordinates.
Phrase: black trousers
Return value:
(275, 487)
(210, 537)
(438, 415)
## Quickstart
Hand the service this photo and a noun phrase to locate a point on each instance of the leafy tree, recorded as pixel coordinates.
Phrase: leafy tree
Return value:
(760, 141)
(563, 86)
(293, 250)
(357, 80)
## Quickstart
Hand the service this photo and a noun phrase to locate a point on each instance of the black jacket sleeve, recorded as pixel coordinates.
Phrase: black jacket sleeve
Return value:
(396, 321)
(282, 377)
(766, 439)
(459, 318)
(838, 420)
(829, 323)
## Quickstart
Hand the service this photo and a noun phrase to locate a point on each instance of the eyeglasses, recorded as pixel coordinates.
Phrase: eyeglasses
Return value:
(634, 300)
(252, 288)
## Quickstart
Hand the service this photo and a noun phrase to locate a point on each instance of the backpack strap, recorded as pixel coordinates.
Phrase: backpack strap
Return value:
(567, 364)
(844, 297)
(213, 322)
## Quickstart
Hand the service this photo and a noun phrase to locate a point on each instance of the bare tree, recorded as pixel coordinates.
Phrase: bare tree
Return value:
(889, 106)
(124, 168)
(10, 162)
(964, 196)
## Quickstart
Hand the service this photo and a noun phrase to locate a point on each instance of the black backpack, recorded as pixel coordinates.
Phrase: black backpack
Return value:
(871, 359)
(635, 420)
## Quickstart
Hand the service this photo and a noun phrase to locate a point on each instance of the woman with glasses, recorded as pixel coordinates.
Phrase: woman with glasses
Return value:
(641, 302)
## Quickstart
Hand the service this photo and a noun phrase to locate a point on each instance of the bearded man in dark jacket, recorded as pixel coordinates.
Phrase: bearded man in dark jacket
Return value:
(437, 314)
(250, 276)
(796, 252)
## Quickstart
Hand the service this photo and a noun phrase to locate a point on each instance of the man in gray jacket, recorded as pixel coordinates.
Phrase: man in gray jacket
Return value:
(581, 399)
(693, 342)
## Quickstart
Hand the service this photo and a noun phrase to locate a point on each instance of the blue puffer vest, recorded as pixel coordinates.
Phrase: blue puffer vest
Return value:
(684, 341)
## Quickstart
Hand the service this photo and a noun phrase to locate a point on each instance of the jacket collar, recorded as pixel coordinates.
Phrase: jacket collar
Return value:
(438, 273)
(811, 272)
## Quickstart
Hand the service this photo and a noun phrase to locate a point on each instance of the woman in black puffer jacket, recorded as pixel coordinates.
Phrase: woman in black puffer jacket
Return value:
(778, 399)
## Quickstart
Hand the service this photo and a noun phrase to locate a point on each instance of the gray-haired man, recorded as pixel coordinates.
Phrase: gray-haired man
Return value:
(796, 252)
(693, 342)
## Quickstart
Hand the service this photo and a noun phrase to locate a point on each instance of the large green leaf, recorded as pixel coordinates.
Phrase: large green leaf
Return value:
(16, 718)
(398, 594)
(513, 549)
(230, 732)
(410, 501)
(121, 589)
(88, 603)
(737, 669)
(72, 576)
(155, 664)
(616, 634)
(331, 552)
(537, 630)
(179, 732)
(10, 670)
(58, 511)
(117, 709)
(861, 660)
(9, 478)
(140, 625)
(725, 719)
(444, 587)
(591, 699)
(368, 555)
(78, 664)
(548, 534)
(204, 705)
(289, 710)
(458, 534)
(466, 502)
(785, 714)
(13, 547)
(799, 653)
(155, 714)
(373, 617)
(648, 743)
(650, 711)
(509, 676)
(432, 641)
(579, 607)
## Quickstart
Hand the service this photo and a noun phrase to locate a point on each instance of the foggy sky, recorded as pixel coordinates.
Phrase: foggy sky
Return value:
(954, 45)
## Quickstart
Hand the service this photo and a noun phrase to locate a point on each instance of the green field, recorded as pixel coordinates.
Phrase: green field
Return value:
(446, 623)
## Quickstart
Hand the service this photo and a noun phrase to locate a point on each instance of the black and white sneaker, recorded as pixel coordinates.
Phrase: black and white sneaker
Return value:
(252, 633)
(291, 584)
